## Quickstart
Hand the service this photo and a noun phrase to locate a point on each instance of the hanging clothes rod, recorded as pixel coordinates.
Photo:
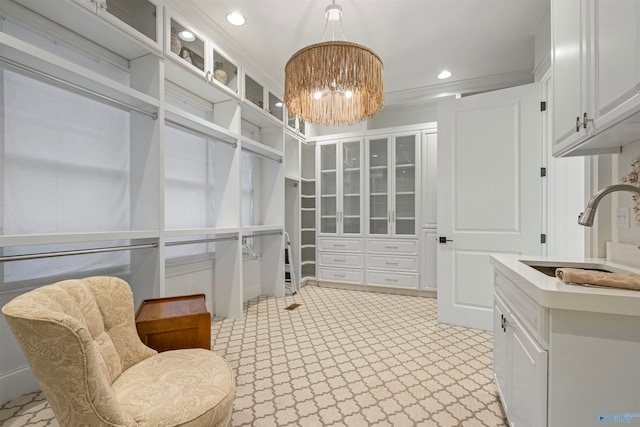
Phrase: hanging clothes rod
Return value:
(259, 154)
(262, 233)
(234, 144)
(76, 252)
(191, 242)
(76, 87)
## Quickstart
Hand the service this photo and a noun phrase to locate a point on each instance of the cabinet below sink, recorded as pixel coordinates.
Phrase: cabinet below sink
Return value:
(564, 355)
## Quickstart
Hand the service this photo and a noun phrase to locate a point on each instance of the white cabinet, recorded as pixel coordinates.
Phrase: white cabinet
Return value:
(393, 185)
(130, 28)
(340, 184)
(341, 260)
(596, 73)
(519, 360)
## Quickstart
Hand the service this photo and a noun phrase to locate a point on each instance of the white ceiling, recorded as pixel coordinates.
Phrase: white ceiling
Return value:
(480, 41)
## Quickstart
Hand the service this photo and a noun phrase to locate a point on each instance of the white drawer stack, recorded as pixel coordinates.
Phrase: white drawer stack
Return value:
(393, 263)
(341, 260)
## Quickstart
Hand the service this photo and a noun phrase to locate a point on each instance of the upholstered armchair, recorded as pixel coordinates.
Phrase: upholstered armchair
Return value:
(81, 341)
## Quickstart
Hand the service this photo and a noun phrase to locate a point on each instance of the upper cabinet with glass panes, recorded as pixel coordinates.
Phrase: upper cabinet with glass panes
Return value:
(187, 46)
(193, 52)
(256, 94)
(130, 28)
(225, 72)
(296, 124)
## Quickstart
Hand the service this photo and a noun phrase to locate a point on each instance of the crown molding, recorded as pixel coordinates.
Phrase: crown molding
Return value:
(434, 93)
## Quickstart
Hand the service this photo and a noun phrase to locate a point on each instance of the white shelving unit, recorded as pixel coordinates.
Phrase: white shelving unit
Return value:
(188, 127)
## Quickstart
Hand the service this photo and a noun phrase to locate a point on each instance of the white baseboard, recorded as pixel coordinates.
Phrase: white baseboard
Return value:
(15, 383)
(379, 289)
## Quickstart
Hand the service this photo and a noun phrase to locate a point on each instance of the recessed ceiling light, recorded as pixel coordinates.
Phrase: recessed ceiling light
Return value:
(444, 74)
(236, 18)
(186, 36)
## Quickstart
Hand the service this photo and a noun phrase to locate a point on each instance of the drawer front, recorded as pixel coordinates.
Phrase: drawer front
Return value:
(534, 317)
(341, 260)
(348, 245)
(409, 247)
(338, 275)
(393, 263)
(406, 280)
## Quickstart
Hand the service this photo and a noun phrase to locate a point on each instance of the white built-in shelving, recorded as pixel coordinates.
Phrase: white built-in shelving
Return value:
(192, 124)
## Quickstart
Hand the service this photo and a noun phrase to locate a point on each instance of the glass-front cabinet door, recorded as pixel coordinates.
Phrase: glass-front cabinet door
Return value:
(328, 188)
(350, 217)
(139, 15)
(340, 169)
(393, 185)
(404, 215)
(379, 211)
(187, 46)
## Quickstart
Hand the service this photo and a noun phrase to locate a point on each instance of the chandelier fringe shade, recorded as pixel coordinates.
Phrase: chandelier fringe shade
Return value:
(334, 83)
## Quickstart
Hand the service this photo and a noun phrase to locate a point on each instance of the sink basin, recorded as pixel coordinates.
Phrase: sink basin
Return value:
(549, 268)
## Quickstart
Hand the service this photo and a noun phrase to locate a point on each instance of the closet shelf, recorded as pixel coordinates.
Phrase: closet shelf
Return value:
(258, 117)
(49, 239)
(188, 232)
(261, 150)
(181, 75)
(190, 122)
(248, 230)
(26, 58)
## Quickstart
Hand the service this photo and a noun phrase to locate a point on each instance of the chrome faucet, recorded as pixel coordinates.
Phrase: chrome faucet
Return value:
(586, 217)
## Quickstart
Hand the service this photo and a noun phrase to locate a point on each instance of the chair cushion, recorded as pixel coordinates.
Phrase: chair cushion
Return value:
(192, 387)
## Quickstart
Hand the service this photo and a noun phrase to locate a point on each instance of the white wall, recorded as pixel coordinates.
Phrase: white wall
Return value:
(626, 235)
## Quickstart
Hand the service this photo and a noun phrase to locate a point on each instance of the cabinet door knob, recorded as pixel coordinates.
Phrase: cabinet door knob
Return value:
(578, 124)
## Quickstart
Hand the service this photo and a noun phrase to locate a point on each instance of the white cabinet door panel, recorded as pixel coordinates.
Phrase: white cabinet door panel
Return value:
(528, 379)
(489, 195)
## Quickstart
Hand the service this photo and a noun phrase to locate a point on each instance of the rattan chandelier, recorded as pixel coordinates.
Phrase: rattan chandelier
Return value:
(334, 82)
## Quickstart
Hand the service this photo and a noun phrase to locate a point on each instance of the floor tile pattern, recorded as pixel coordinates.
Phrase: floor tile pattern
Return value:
(342, 358)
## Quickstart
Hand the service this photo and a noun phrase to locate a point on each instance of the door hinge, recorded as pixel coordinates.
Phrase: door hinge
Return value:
(543, 105)
(543, 238)
(543, 171)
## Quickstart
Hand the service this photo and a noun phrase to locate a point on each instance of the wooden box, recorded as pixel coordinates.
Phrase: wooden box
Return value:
(174, 322)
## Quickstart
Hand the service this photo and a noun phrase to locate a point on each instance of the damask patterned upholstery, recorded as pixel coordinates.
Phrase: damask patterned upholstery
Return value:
(81, 341)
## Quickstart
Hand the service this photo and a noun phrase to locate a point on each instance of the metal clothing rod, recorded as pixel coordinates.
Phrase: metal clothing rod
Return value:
(199, 133)
(191, 242)
(278, 159)
(76, 252)
(76, 87)
(262, 233)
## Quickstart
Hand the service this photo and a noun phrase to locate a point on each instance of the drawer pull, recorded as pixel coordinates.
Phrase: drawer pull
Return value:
(339, 260)
(391, 247)
(391, 263)
(340, 275)
(391, 280)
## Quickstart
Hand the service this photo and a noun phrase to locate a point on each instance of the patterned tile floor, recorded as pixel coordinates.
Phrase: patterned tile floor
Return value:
(342, 358)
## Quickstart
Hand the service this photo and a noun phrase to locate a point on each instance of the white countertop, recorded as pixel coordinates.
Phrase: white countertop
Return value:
(553, 293)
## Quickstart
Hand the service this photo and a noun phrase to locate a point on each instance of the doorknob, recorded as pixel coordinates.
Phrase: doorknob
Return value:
(443, 239)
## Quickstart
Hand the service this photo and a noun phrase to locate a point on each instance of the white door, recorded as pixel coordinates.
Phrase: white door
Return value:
(489, 195)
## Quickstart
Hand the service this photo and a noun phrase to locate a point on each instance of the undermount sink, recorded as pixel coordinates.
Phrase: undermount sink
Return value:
(549, 268)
